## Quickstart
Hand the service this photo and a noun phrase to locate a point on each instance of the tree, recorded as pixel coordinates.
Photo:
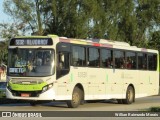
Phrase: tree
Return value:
(132, 21)
(154, 42)
(68, 18)
(7, 31)
(27, 13)
(148, 18)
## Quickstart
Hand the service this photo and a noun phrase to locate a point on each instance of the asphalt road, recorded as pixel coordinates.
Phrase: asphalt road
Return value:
(141, 104)
(109, 105)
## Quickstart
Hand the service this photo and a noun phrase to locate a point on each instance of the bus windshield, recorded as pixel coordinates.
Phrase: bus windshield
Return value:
(31, 62)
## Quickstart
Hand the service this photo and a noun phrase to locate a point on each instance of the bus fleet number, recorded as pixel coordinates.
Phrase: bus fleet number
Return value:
(82, 74)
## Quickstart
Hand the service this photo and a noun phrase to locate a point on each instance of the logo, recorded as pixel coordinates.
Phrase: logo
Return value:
(6, 114)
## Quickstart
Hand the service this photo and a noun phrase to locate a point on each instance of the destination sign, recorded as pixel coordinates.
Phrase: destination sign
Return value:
(17, 70)
(31, 41)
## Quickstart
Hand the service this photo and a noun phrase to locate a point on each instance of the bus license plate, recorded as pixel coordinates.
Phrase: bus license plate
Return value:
(25, 95)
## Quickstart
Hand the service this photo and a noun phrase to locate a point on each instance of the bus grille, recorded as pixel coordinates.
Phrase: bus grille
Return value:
(30, 93)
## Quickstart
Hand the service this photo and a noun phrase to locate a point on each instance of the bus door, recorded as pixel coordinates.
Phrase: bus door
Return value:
(62, 69)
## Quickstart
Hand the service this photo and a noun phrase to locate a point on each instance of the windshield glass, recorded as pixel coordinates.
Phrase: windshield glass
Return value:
(31, 62)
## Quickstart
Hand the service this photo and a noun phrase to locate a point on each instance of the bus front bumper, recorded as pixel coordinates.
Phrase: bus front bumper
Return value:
(48, 95)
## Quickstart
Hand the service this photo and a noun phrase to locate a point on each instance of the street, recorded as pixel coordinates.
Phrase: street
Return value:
(141, 104)
(108, 105)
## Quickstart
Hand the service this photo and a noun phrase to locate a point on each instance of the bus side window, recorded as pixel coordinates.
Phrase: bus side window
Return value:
(120, 62)
(93, 57)
(131, 62)
(107, 58)
(152, 62)
(142, 61)
(62, 64)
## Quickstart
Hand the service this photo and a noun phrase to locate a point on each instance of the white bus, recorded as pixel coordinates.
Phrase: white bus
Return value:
(52, 68)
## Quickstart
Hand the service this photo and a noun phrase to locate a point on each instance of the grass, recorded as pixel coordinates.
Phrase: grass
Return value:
(154, 109)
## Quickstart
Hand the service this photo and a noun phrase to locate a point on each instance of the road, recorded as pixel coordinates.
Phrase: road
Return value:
(141, 104)
(110, 105)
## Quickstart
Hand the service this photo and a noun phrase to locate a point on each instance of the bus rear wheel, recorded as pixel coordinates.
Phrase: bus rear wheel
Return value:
(76, 98)
(130, 96)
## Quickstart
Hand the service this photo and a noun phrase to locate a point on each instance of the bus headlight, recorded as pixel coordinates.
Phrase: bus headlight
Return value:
(44, 89)
(47, 87)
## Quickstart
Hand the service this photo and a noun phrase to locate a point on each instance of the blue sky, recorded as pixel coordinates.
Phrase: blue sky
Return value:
(3, 17)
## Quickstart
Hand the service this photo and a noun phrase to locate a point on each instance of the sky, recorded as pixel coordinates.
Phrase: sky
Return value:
(3, 17)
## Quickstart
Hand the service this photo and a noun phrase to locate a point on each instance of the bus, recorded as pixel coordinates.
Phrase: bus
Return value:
(53, 68)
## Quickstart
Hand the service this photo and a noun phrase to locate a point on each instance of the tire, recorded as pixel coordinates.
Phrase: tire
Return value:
(130, 96)
(82, 97)
(120, 101)
(76, 98)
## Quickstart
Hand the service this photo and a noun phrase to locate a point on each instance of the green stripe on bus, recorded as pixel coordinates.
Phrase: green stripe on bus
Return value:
(71, 77)
(107, 77)
(27, 87)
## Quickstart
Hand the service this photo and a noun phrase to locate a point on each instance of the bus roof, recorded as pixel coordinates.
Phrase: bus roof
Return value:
(95, 42)
(105, 43)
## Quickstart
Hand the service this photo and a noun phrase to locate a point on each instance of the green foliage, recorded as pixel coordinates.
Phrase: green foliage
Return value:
(7, 31)
(132, 21)
(27, 13)
(147, 18)
(154, 42)
(154, 109)
(68, 18)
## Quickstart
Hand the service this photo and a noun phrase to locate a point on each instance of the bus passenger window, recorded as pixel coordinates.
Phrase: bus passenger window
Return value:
(142, 61)
(93, 57)
(78, 56)
(130, 60)
(107, 58)
(152, 62)
(120, 61)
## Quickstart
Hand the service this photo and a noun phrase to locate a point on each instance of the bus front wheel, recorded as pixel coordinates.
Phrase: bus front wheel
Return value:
(130, 96)
(76, 98)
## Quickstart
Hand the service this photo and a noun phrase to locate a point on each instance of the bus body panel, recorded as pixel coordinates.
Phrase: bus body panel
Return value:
(48, 95)
(97, 82)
